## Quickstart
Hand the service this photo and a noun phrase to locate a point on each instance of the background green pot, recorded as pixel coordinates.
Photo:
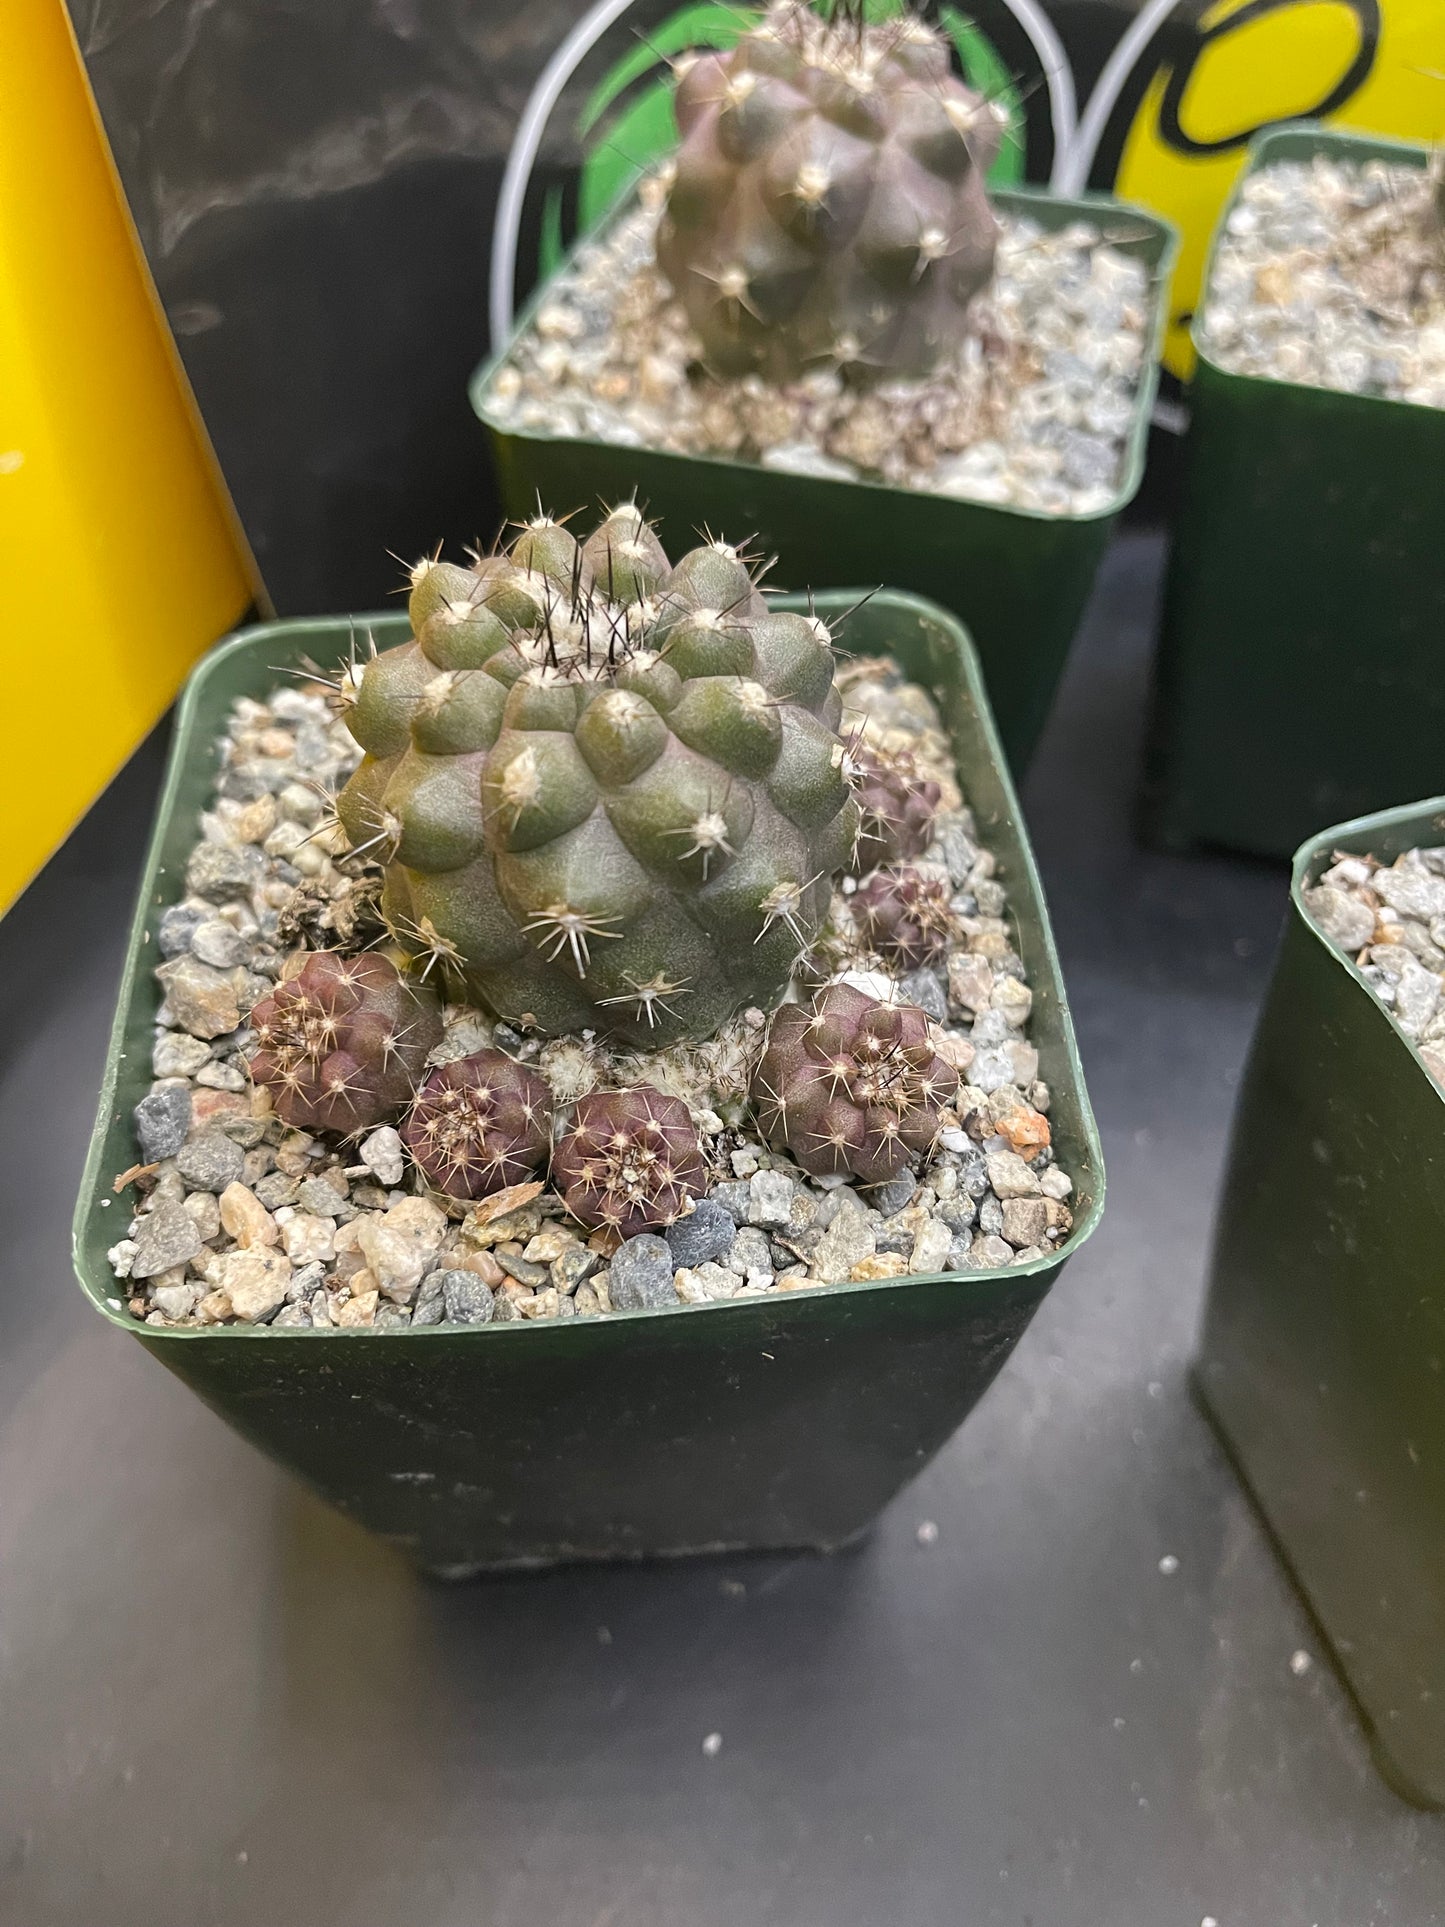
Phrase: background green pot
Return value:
(1019, 579)
(1300, 666)
(1323, 1356)
(786, 1421)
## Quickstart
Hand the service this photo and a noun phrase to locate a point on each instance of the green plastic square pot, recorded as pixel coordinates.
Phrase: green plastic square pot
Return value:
(1018, 578)
(1303, 642)
(1323, 1353)
(783, 1421)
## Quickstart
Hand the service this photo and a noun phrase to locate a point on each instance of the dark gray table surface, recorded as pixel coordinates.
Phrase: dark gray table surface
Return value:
(221, 1704)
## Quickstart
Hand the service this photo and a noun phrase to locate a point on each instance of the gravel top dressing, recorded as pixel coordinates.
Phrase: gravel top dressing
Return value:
(1391, 919)
(1035, 413)
(1331, 273)
(240, 1220)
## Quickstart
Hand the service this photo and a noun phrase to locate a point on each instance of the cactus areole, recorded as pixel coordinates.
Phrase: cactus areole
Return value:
(828, 203)
(608, 793)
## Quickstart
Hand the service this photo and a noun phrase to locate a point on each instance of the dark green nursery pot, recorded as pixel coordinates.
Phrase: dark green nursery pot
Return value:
(1019, 579)
(1323, 1355)
(786, 1421)
(1301, 674)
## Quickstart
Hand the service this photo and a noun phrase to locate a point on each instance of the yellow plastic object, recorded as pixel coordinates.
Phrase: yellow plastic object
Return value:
(1376, 68)
(121, 560)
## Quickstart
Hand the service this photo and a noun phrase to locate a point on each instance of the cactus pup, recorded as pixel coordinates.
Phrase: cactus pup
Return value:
(630, 1160)
(479, 1124)
(852, 1086)
(339, 1046)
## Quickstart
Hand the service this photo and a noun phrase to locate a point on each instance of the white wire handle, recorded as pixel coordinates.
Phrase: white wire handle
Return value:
(1073, 176)
(521, 160)
(502, 283)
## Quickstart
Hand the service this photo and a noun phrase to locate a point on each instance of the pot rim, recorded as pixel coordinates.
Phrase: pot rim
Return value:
(95, 1186)
(1158, 247)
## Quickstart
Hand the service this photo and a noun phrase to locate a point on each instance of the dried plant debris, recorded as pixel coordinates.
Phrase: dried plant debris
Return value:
(1390, 917)
(242, 1218)
(1034, 409)
(1331, 273)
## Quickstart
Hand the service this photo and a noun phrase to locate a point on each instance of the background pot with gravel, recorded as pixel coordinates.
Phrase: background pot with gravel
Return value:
(779, 1417)
(989, 482)
(1299, 675)
(1323, 1354)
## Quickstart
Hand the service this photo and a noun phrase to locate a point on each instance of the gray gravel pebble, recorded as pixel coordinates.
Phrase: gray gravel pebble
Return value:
(162, 1119)
(466, 1298)
(218, 943)
(750, 1251)
(175, 1301)
(849, 1239)
(735, 1196)
(276, 1189)
(1346, 920)
(534, 1276)
(770, 1199)
(430, 1306)
(572, 1266)
(894, 1195)
(321, 1198)
(176, 928)
(1025, 1220)
(210, 1162)
(642, 1271)
(220, 874)
(165, 1237)
(927, 989)
(708, 1233)
(175, 1054)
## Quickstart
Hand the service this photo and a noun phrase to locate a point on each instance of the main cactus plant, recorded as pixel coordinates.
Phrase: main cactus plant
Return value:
(827, 204)
(608, 792)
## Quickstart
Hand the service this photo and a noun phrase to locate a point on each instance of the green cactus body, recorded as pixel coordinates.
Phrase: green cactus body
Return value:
(608, 793)
(828, 201)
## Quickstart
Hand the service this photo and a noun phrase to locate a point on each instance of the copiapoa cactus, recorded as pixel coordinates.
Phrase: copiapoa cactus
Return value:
(630, 1160)
(608, 793)
(828, 203)
(340, 1045)
(897, 804)
(852, 1085)
(903, 915)
(479, 1124)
